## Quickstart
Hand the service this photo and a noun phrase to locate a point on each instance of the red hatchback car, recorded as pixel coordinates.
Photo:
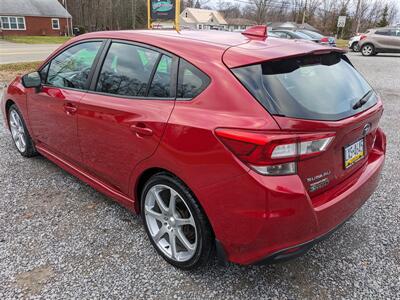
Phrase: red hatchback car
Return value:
(250, 147)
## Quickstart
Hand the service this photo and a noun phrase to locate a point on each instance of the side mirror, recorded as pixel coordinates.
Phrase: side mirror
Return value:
(32, 80)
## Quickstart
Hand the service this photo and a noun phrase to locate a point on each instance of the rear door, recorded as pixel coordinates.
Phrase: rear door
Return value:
(395, 39)
(383, 39)
(52, 110)
(122, 119)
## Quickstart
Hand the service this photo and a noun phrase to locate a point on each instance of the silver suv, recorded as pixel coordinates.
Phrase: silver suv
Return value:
(380, 40)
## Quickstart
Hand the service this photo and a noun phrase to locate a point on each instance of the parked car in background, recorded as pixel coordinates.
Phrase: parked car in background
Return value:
(353, 43)
(324, 40)
(273, 34)
(380, 40)
(221, 142)
(291, 34)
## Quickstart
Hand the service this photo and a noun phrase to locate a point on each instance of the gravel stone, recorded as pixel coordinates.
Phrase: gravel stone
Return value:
(59, 238)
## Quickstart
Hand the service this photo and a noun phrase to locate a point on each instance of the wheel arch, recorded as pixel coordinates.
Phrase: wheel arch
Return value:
(141, 181)
(147, 174)
(7, 107)
(368, 44)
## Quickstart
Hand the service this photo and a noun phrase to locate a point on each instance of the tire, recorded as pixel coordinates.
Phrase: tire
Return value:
(355, 47)
(368, 50)
(185, 222)
(19, 132)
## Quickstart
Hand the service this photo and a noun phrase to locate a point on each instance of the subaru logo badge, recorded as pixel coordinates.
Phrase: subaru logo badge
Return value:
(366, 129)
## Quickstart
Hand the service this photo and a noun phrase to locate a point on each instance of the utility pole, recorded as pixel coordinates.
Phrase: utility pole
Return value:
(358, 14)
(68, 28)
(304, 14)
(134, 14)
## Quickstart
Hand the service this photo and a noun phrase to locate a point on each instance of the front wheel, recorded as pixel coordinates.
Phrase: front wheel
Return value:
(367, 50)
(175, 223)
(22, 139)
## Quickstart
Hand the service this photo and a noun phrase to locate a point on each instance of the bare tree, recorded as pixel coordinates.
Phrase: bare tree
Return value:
(322, 14)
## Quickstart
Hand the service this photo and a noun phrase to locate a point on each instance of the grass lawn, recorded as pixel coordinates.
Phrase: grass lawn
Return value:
(9, 71)
(341, 43)
(37, 39)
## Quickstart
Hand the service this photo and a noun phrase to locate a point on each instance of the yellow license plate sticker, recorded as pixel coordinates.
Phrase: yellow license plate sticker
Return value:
(353, 153)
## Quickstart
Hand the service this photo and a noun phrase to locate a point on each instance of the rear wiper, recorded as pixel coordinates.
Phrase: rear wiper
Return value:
(363, 100)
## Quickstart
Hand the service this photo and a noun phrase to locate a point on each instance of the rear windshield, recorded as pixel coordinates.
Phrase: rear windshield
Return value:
(318, 87)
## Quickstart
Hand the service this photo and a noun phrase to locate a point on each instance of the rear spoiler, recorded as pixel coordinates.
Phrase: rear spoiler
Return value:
(259, 50)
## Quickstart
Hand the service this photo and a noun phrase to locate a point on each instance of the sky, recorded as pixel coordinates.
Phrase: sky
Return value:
(213, 3)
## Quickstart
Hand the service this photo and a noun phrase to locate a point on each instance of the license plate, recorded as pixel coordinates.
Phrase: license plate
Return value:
(353, 153)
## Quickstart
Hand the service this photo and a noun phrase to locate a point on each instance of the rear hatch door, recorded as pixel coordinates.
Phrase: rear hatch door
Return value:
(317, 91)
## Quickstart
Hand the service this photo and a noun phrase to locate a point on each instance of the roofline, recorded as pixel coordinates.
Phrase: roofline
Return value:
(39, 16)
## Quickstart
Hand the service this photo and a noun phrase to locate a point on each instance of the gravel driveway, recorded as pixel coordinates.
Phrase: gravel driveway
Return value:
(59, 238)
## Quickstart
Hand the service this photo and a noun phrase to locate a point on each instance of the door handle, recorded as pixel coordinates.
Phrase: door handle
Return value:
(140, 129)
(70, 109)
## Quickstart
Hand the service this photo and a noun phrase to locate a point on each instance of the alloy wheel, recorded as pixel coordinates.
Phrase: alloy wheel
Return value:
(367, 50)
(18, 131)
(170, 223)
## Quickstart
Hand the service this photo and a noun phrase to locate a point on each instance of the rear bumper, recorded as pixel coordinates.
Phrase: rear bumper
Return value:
(298, 250)
(259, 219)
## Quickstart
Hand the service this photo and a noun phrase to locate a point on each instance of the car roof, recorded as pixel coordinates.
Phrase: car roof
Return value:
(209, 46)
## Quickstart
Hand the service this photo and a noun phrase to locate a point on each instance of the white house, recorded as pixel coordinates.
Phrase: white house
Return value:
(239, 24)
(202, 19)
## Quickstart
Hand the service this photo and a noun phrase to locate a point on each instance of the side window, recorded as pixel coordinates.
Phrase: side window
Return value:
(126, 70)
(162, 80)
(395, 32)
(191, 81)
(382, 32)
(283, 35)
(43, 73)
(71, 68)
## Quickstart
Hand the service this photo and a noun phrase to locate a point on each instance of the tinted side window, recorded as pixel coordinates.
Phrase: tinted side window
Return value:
(282, 34)
(126, 70)
(43, 73)
(382, 32)
(191, 81)
(395, 32)
(162, 80)
(71, 68)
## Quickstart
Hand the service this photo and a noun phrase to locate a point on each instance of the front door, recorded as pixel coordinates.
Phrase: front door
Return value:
(121, 122)
(52, 110)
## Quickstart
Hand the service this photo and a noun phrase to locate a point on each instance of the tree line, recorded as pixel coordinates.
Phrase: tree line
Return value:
(93, 15)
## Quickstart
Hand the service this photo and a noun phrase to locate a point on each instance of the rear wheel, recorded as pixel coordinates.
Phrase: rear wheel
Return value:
(367, 50)
(175, 223)
(355, 47)
(22, 139)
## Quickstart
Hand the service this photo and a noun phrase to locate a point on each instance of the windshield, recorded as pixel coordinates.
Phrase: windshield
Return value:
(318, 87)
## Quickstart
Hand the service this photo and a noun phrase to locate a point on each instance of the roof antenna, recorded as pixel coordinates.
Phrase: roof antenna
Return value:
(258, 32)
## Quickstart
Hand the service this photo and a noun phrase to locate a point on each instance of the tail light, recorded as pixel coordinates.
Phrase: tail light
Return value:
(362, 37)
(273, 153)
(324, 40)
